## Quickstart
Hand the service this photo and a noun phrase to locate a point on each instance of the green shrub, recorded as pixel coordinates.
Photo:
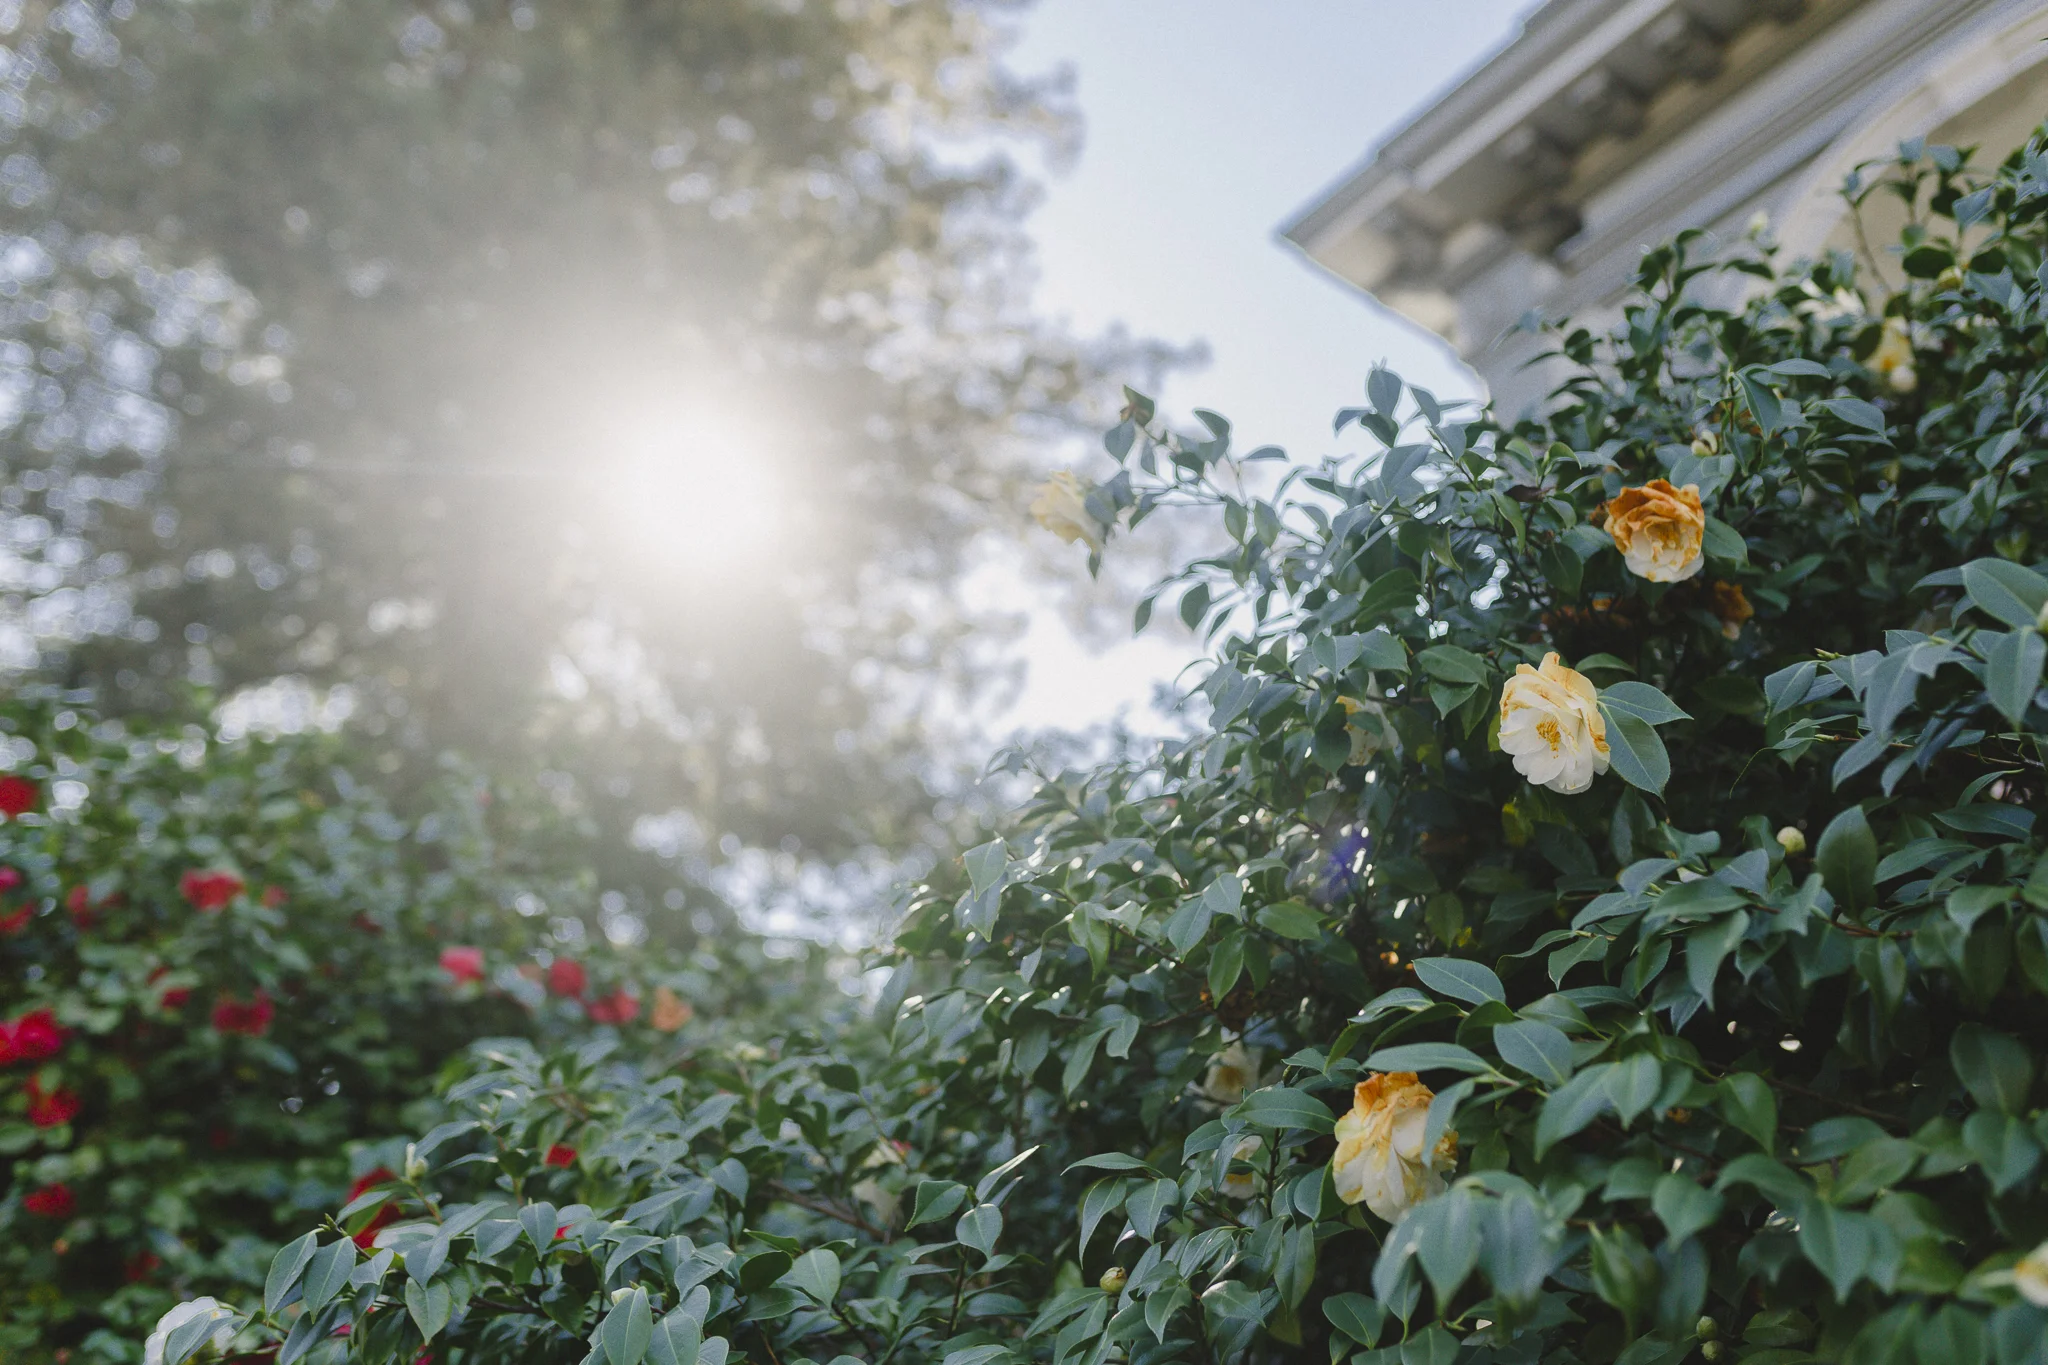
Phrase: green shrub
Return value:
(1329, 1032)
(223, 968)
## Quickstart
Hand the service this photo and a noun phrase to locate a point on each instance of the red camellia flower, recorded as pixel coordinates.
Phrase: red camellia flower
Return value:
(141, 1266)
(273, 896)
(79, 902)
(17, 794)
(567, 977)
(558, 1155)
(48, 1108)
(387, 1212)
(250, 1018)
(31, 1038)
(51, 1201)
(464, 964)
(616, 1008)
(16, 922)
(210, 891)
(10, 877)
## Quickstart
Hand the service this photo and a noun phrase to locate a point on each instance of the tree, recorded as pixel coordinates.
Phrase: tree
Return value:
(606, 388)
(1602, 921)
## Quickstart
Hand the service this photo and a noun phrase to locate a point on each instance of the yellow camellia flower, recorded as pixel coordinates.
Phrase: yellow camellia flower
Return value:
(1379, 1160)
(1232, 1074)
(1243, 1184)
(2030, 1276)
(1550, 724)
(1893, 358)
(1062, 508)
(1659, 530)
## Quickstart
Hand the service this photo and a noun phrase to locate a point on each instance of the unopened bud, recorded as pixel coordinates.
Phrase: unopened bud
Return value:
(1707, 1329)
(415, 1165)
(1705, 444)
(1903, 378)
(1114, 1279)
(1710, 1350)
(1792, 840)
(619, 1296)
(2041, 619)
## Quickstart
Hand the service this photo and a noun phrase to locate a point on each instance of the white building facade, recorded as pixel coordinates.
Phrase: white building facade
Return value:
(1606, 126)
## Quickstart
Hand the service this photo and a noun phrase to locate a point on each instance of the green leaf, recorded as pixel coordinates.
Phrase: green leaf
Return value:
(1846, 858)
(1428, 1057)
(430, 1306)
(1291, 919)
(1769, 1177)
(1635, 751)
(539, 1223)
(1450, 664)
(1642, 701)
(1682, 1206)
(1842, 1245)
(1147, 1205)
(676, 1339)
(2012, 671)
(986, 864)
(979, 1228)
(1572, 1106)
(2006, 591)
(1994, 1067)
(816, 1273)
(628, 1329)
(1279, 1107)
(285, 1269)
(1723, 541)
(1633, 1085)
(327, 1271)
(1857, 413)
(187, 1338)
(1109, 1161)
(1356, 1316)
(1461, 979)
(764, 1268)
(1747, 1101)
(1101, 1197)
(1537, 1048)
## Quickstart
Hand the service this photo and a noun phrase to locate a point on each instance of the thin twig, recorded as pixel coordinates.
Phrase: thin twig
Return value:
(852, 1220)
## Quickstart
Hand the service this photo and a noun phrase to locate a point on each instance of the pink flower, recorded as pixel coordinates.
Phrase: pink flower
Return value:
(249, 1018)
(47, 1109)
(51, 1201)
(567, 977)
(17, 794)
(31, 1038)
(210, 891)
(463, 964)
(616, 1008)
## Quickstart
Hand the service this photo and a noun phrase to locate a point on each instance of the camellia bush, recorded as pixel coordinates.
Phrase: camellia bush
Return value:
(227, 970)
(1601, 920)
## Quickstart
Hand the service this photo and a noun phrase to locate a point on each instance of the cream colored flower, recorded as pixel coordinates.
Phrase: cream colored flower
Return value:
(1062, 508)
(1243, 1184)
(2030, 1276)
(1659, 530)
(1893, 358)
(1793, 840)
(1550, 724)
(153, 1346)
(1379, 1160)
(1233, 1073)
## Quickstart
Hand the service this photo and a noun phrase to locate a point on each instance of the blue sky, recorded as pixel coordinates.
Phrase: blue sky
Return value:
(1209, 123)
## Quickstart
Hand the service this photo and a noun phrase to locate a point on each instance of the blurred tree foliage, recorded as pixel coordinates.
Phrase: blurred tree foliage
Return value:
(613, 385)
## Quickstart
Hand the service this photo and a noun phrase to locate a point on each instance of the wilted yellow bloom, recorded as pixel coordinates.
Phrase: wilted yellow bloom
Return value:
(2030, 1276)
(1379, 1160)
(1550, 724)
(670, 1011)
(1233, 1073)
(1893, 358)
(1062, 508)
(1243, 1184)
(1659, 530)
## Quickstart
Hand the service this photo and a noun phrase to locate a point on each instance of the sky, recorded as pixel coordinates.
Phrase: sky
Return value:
(1210, 123)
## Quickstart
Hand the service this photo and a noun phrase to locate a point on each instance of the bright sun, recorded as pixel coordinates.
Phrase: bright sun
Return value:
(699, 487)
